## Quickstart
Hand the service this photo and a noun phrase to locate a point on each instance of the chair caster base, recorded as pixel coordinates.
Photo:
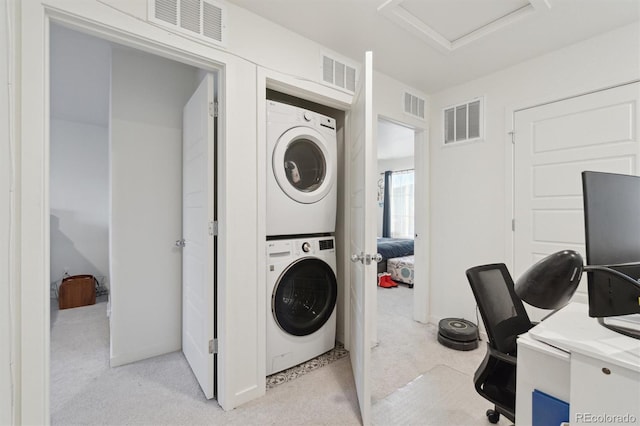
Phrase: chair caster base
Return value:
(493, 416)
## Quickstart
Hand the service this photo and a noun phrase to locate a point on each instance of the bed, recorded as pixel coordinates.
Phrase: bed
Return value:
(397, 259)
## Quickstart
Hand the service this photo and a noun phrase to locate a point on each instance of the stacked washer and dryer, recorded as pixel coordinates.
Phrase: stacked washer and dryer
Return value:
(301, 216)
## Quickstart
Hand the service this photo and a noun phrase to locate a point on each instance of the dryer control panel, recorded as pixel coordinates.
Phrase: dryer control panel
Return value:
(277, 112)
(326, 244)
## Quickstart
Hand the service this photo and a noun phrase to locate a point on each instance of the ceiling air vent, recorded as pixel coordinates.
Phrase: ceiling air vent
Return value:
(203, 19)
(414, 105)
(339, 74)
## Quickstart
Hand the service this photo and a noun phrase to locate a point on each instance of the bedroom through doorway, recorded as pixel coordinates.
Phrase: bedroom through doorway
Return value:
(397, 330)
(396, 204)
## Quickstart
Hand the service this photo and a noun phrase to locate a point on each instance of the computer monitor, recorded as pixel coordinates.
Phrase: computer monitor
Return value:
(612, 231)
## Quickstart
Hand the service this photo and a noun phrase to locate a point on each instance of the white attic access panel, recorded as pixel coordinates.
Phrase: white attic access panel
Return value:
(433, 23)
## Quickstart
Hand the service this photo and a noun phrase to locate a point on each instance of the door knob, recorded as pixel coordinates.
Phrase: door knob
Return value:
(366, 258)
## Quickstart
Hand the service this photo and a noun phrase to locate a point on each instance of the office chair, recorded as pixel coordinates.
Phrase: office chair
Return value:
(504, 319)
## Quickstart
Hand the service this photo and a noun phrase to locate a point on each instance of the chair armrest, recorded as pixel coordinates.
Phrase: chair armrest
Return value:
(509, 359)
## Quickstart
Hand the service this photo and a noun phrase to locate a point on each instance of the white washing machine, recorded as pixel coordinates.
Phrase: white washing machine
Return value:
(301, 300)
(301, 171)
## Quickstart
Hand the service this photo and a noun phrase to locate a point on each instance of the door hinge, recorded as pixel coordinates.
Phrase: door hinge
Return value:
(513, 224)
(213, 109)
(213, 346)
(513, 137)
(213, 227)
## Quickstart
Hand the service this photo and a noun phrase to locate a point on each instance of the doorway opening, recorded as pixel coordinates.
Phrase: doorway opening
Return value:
(397, 186)
(116, 201)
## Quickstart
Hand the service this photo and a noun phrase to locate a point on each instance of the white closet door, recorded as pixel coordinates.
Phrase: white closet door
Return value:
(198, 308)
(554, 143)
(362, 167)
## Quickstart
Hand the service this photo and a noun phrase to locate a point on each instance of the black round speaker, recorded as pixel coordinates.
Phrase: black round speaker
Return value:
(458, 333)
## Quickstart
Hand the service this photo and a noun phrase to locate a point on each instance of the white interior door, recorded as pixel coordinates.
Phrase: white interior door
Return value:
(362, 167)
(554, 143)
(198, 308)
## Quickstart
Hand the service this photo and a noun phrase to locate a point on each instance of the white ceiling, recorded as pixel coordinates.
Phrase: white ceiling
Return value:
(434, 44)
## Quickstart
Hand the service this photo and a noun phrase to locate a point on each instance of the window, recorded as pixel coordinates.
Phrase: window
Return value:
(402, 205)
(463, 122)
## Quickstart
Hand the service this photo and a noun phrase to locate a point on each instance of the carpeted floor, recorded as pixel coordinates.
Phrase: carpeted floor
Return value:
(415, 380)
(441, 396)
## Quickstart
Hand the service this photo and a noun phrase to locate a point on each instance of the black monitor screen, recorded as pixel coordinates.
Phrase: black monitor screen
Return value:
(612, 230)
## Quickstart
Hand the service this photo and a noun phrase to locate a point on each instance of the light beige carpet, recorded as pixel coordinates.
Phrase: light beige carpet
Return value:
(442, 396)
(162, 390)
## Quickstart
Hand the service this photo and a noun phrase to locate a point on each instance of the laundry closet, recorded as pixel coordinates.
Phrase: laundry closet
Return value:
(304, 228)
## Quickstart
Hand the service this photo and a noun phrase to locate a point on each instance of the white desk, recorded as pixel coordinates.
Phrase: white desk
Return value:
(573, 358)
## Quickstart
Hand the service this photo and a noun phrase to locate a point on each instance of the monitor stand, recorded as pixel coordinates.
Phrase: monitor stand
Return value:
(629, 325)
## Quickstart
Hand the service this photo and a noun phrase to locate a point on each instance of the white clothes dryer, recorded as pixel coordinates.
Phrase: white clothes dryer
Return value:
(301, 171)
(301, 301)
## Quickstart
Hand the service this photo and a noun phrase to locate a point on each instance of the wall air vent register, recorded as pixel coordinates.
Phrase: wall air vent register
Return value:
(414, 105)
(463, 122)
(202, 19)
(337, 73)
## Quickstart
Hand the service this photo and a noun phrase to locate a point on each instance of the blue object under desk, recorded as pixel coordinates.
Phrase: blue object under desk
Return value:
(548, 410)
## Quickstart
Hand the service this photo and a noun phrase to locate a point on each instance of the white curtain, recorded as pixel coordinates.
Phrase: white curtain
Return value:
(402, 206)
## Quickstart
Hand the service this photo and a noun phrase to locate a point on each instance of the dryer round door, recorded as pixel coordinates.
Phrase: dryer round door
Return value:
(302, 165)
(304, 297)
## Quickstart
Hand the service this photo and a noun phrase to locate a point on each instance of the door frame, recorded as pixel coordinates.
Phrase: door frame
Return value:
(509, 172)
(421, 303)
(33, 312)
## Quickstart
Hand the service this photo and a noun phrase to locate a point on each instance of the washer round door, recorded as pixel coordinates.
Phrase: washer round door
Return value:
(302, 165)
(304, 297)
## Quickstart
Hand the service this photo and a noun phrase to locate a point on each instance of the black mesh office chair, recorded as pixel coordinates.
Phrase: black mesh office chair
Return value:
(504, 319)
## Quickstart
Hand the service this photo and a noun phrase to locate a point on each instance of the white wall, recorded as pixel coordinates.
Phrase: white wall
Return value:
(79, 191)
(254, 38)
(7, 319)
(79, 157)
(470, 204)
(272, 50)
(147, 98)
